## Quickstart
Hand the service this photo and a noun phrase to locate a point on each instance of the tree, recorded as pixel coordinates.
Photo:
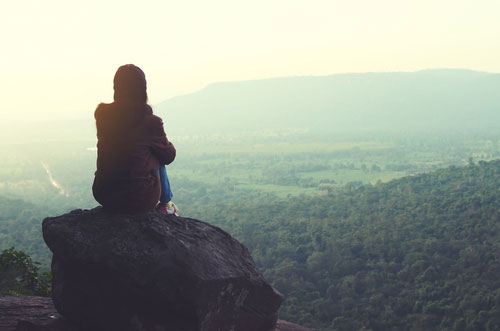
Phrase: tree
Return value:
(19, 275)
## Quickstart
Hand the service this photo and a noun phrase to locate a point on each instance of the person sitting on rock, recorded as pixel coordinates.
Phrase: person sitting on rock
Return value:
(132, 150)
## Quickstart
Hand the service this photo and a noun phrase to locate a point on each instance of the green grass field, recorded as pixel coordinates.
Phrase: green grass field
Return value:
(271, 163)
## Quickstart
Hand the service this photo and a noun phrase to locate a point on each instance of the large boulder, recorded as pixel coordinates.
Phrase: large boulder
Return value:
(155, 272)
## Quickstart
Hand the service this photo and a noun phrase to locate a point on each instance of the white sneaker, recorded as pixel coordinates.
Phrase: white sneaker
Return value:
(172, 209)
(168, 208)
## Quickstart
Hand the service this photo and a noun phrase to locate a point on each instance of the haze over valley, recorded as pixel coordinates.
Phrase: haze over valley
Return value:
(353, 147)
(344, 187)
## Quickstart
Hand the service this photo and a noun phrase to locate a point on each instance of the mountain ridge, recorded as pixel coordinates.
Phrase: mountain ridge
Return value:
(437, 99)
(424, 71)
(432, 99)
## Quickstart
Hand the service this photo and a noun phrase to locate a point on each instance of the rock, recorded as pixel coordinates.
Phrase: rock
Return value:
(287, 326)
(39, 314)
(155, 272)
(30, 314)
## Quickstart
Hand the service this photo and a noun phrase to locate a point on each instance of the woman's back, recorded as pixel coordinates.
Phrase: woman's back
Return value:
(131, 146)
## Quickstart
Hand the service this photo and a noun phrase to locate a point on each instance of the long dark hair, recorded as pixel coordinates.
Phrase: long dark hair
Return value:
(130, 104)
(130, 85)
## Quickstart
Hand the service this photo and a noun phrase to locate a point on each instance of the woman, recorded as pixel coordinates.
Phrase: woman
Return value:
(131, 148)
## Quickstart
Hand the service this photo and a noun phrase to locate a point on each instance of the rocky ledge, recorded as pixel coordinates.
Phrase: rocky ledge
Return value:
(39, 314)
(155, 272)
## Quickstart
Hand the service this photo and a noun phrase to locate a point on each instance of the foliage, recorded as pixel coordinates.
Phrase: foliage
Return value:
(19, 275)
(350, 252)
(20, 226)
(418, 253)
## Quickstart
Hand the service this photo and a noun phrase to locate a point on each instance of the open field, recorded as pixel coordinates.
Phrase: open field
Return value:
(42, 179)
(280, 163)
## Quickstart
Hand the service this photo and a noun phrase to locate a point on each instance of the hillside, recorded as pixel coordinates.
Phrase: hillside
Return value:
(417, 253)
(429, 99)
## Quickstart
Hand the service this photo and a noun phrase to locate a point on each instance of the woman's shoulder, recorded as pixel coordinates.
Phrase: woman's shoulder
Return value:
(101, 108)
(150, 118)
(153, 122)
(153, 125)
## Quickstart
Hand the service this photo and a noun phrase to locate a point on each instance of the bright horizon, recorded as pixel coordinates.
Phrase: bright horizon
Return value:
(60, 56)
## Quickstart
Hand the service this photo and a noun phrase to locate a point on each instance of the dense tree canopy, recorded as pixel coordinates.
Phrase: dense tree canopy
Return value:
(418, 253)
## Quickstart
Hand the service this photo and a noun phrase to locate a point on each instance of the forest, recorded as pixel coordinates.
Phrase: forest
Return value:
(418, 253)
(372, 232)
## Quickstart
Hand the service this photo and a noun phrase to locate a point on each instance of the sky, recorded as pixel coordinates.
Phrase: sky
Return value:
(59, 56)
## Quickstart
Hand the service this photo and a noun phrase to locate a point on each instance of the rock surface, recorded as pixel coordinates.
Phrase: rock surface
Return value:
(155, 272)
(39, 314)
(26, 310)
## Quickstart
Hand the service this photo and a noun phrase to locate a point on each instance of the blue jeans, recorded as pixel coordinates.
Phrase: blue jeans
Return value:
(166, 192)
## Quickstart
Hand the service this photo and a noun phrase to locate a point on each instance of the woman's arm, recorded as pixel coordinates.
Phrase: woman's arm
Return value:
(163, 149)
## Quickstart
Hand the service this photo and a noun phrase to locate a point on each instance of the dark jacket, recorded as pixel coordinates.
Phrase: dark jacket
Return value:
(128, 159)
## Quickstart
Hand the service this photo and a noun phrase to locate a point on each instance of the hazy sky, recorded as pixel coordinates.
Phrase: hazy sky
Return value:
(60, 56)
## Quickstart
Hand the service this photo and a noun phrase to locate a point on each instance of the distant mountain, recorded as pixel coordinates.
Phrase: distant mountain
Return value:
(447, 99)
(430, 99)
